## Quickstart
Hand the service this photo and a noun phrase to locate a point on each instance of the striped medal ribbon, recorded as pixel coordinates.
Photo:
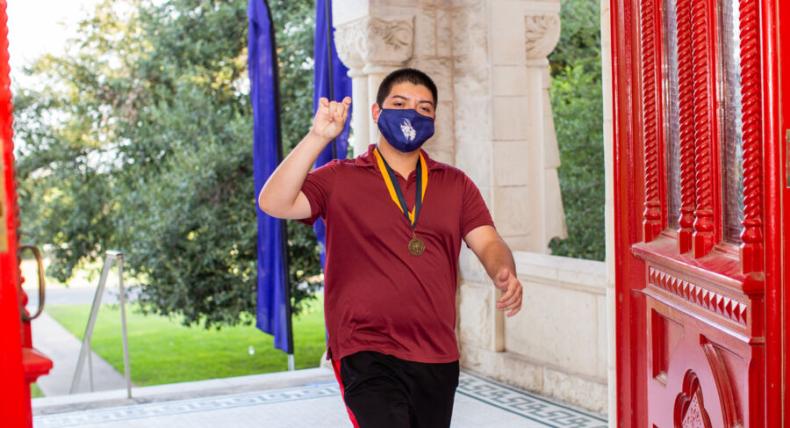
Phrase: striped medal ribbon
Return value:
(416, 245)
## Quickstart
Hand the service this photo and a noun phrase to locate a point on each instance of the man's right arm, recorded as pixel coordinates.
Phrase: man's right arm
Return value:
(281, 196)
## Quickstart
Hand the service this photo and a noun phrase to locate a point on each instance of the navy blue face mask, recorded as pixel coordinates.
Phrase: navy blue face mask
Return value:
(405, 129)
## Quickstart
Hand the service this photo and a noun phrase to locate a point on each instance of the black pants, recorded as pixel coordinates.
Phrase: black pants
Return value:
(382, 391)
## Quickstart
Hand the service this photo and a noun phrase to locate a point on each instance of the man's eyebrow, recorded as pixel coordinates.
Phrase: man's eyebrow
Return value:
(418, 102)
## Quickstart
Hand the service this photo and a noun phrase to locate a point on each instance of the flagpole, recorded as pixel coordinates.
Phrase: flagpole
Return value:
(329, 62)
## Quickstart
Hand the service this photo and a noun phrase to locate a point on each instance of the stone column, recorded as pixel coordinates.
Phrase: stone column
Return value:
(505, 141)
(371, 47)
(505, 135)
(608, 144)
(542, 32)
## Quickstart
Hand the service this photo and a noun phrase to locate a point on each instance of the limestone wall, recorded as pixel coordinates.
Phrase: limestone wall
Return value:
(556, 345)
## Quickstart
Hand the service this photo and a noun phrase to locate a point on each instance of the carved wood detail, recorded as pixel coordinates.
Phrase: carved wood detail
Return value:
(686, 101)
(723, 384)
(652, 216)
(689, 405)
(693, 293)
(703, 238)
(10, 213)
(752, 235)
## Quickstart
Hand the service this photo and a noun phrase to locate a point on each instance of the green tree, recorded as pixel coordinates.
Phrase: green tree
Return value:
(578, 115)
(139, 138)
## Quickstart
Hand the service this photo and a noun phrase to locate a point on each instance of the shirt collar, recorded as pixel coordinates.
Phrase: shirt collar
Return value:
(368, 159)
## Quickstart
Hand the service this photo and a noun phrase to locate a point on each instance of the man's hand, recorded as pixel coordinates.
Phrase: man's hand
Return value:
(512, 292)
(497, 259)
(281, 195)
(330, 118)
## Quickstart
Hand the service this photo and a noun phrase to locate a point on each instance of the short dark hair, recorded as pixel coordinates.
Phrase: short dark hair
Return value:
(411, 75)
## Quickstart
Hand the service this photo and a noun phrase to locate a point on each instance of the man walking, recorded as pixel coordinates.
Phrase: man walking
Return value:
(395, 219)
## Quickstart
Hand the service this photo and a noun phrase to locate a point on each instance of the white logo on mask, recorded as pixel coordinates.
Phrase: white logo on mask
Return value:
(408, 131)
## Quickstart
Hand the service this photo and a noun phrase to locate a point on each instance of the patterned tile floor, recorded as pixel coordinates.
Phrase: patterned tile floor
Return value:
(480, 403)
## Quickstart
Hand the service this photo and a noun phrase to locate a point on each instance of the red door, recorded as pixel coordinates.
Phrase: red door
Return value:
(14, 394)
(20, 363)
(698, 220)
(783, 52)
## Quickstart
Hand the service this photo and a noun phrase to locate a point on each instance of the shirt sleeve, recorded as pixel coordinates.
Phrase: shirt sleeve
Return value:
(474, 211)
(317, 187)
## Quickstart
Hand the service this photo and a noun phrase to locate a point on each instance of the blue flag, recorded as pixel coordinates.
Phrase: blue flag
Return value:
(274, 300)
(331, 81)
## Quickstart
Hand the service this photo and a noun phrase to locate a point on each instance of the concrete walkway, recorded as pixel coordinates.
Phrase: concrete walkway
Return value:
(63, 348)
(59, 344)
(304, 398)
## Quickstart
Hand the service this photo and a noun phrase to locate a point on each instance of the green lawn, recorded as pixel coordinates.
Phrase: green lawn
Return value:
(35, 391)
(163, 351)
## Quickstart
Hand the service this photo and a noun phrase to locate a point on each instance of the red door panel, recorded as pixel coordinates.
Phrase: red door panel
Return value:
(776, 341)
(698, 220)
(14, 395)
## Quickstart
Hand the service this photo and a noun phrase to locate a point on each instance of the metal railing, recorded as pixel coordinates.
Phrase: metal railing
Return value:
(85, 349)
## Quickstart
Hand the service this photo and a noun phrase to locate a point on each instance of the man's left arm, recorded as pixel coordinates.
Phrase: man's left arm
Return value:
(497, 259)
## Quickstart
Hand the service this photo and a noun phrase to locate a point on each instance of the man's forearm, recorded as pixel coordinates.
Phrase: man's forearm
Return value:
(497, 256)
(283, 186)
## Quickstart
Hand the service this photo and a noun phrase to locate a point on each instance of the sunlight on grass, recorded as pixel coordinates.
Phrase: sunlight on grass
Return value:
(35, 391)
(164, 351)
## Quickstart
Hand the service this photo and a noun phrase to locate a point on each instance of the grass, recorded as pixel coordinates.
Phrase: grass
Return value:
(161, 350)
(35, 391)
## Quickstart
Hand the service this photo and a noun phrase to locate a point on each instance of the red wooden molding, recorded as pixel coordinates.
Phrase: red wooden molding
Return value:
(686, 92)
(689, 406)
(652, 216)
(718, 367)
(703, 238)
(752, 234)
(701, 296)
(14, 393)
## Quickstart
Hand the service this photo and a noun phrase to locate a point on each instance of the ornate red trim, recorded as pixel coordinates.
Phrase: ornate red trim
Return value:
(752, 235)
(720, 304)
(6, 127)
(7, 141)
(689, 406)
(703, 238)
(686, 92)
(652, 215)
(721, 376)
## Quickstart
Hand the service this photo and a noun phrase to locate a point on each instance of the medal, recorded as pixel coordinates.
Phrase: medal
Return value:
(416, 245)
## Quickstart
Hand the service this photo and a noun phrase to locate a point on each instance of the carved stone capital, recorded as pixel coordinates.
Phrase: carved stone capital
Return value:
(542, 34)
(375, 41)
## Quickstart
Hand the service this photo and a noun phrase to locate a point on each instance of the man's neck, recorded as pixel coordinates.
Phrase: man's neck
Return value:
(402, 163)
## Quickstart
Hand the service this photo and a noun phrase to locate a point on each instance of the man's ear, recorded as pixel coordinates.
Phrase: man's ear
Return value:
(375, 111)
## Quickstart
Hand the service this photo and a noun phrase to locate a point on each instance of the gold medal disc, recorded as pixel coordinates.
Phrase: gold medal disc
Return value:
(416, 246)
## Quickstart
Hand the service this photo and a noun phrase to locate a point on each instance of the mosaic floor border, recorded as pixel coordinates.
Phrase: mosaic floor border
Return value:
(524, 404)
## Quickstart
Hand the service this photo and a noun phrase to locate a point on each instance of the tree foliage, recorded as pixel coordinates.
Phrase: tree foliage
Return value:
(139, 139)
(578, 116)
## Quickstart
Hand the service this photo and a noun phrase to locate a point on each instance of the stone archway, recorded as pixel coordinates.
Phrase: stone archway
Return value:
(489, 60)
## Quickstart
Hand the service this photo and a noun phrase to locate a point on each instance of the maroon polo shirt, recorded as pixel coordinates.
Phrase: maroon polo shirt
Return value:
(377, 296)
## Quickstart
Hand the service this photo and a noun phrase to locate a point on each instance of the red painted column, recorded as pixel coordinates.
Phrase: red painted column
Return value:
(776, 22)
(629, 226)
(688, 189)
(14, 393)
(705, 142)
